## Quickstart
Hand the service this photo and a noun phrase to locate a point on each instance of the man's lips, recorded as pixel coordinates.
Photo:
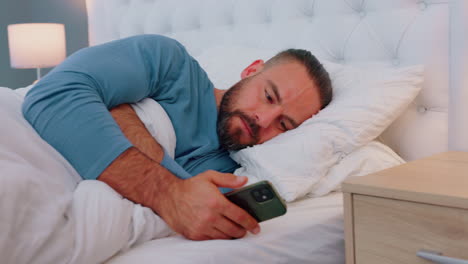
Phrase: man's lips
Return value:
(247, 127)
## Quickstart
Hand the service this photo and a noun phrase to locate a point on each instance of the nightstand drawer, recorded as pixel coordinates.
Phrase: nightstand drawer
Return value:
(393, 231)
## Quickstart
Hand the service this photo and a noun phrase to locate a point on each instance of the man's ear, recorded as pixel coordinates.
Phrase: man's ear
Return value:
(253, 68)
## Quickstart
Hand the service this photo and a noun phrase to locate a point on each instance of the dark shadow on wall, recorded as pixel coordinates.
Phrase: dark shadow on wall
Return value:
(72, 13)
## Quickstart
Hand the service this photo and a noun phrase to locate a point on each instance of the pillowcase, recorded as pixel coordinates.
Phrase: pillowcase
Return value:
(366, 100)
(370, 158)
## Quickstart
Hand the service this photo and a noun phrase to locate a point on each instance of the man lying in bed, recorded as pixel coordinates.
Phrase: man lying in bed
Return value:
(69, 109)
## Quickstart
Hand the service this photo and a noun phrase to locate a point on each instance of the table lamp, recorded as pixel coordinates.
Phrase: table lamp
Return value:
(36, 45)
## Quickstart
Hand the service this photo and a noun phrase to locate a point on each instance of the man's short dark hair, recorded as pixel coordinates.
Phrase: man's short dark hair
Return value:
(316, 71)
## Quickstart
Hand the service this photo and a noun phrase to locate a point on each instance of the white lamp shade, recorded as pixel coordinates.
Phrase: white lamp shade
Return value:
(36, 45)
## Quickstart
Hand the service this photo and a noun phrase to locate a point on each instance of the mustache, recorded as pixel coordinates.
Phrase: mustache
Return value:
(254, 127)
(229, 141)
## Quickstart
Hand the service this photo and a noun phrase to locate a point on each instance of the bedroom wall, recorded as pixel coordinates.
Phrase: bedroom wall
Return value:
(72, 13)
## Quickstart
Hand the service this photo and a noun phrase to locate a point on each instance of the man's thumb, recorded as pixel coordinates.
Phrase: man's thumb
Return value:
(229, 180)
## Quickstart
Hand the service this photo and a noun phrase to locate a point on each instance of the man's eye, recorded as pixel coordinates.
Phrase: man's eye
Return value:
(268, 97)
(283, 126)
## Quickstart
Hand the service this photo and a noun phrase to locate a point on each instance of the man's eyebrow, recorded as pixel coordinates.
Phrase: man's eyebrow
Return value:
(275, 90)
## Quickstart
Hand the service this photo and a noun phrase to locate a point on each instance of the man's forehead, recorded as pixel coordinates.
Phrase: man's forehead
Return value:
(290, 82)
(306, 101)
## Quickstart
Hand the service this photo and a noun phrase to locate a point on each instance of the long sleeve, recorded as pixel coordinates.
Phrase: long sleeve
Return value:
(69, 106)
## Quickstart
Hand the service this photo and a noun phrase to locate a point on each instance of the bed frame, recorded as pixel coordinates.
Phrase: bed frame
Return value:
(394, 32)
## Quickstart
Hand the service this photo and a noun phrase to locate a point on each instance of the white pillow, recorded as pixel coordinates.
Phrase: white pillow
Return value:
(372, 157)
(366, 101)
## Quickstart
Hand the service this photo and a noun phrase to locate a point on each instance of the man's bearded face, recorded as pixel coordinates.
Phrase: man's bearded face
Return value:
(265, 104)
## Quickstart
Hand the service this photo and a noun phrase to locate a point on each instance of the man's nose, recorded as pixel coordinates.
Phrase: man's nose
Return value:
(265, 117)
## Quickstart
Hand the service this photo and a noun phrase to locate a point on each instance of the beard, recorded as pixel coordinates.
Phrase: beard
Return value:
(227, 140)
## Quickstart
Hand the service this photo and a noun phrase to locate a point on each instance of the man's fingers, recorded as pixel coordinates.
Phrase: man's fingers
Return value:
(231, 211)
(207, 214)
(229, 228)
(218, 234)
(228, 180)
(242, 218)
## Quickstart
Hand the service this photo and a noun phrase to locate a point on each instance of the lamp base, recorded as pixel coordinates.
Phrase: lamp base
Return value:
(38, 74)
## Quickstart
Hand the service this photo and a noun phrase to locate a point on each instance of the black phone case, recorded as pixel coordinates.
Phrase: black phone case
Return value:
(251, 202)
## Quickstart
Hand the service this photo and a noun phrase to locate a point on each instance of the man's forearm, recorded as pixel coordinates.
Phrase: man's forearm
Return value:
(139, 178)
(136, 132)
(136, 173)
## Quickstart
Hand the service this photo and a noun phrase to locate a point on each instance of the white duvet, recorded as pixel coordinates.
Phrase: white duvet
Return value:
(47, 215)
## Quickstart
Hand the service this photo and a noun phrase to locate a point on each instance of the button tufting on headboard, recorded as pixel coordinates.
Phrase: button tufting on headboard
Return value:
(362, 13)
(422, 5)
(422, 109)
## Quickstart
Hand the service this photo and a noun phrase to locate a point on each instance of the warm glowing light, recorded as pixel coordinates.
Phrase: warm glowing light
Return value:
(36, 45)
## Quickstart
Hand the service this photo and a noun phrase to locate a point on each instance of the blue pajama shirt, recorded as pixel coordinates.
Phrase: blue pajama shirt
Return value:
(69, 107)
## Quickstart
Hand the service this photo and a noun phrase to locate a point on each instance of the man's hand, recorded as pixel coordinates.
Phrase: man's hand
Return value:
(196, 208)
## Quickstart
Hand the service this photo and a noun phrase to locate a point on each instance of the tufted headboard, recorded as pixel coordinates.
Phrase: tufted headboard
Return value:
(394, 32)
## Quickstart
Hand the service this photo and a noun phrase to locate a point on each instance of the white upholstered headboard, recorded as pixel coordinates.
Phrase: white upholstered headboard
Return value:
(396, 32)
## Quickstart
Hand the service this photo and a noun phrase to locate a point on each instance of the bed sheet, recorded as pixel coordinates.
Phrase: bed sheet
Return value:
(310, 232)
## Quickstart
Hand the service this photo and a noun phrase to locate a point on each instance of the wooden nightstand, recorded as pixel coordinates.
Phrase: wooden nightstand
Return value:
(421, 205)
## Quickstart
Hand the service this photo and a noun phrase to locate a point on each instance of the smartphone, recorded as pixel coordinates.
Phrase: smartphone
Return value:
(260, 200)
